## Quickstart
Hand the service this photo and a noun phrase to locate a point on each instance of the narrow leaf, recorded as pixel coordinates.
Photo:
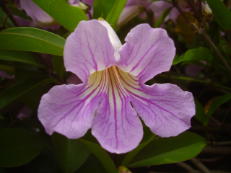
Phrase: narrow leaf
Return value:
(101, 155)
(170, 150)
(215, 103)
(31, 39)
(22, 57)
(115, 12)
(193, 55)
(102, 8)
(18, 146)
(221, 12)
(19, 89)
(65, 14)
(71, 154)
(200, 113)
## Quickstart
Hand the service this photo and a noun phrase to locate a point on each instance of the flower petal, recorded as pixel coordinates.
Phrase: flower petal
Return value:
(68, 110)
(167, 111)
(147, 52)
(88, 49)
(35, 12)
(117, 126)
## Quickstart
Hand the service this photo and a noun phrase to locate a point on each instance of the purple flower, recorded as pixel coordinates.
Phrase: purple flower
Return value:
(159, 7)
(112, 96)
(39, 16)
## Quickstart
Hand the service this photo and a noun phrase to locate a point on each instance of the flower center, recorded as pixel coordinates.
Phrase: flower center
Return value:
(113, 80)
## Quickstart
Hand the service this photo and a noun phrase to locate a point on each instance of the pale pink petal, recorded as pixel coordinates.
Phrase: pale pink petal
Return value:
(88, 2)
(117, 126)
(88, 49)
(159, 7)
(35, 12)
(165, 109)
(68, 110)
(147, 52)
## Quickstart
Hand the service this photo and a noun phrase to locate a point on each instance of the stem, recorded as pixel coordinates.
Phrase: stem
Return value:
(200, 165)
(187, 167)
(206, 82)
(206, 37)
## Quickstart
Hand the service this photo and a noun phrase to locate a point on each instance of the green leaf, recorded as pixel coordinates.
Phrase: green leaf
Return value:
(92, 165)
(4, 20)
(58, 66)
(65, 14)
(71, 154)
(218, 101)
(102, 8)
(115, 12)
(128, 157)
(18, 146)
(21, 88)
(200, 113)
(221, 13)
(31, 39)
(193, 55)
(170, 150)
(101, 155)
(22, 57)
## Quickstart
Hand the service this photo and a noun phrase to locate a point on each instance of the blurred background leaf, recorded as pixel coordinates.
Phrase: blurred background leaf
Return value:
(19, 146)
(103, 157)
(20, 88)
(114, 14)
(221, 13)
(193, 55)
(214, 104)
(70, 154)
(102, 8)
(170, 150)
(31, 39)
(22, 57)
(65, 14)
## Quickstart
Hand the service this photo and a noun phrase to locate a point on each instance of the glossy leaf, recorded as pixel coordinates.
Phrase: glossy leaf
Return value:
(22, 57)
(19, 89)
(193, 55)
(71, 154)
(65, 14)
(102, 8)
(115, 12)
(18, 146)
(170, 150)
(101, 155)
(31, 39)
(221, 13)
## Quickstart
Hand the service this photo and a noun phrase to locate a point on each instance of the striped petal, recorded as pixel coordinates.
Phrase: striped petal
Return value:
(68, 110)
(146, 52)
(89, 49)
(115, 120)
(165, 108)
(116, 125)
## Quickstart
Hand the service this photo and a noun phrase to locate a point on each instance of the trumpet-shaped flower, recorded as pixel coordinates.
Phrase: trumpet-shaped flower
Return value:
(112, 98)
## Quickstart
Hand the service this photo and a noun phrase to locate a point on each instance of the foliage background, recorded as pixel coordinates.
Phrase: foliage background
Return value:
(31, 59)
